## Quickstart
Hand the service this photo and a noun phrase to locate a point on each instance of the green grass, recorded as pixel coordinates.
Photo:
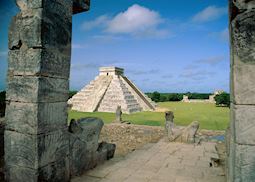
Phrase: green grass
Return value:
(208, 115)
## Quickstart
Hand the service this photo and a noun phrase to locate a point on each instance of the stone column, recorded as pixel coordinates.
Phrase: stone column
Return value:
(36, 134)
(241, 153)
(118, 114)
(169, 125)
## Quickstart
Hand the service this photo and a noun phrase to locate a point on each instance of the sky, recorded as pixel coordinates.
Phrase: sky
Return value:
(163, 45)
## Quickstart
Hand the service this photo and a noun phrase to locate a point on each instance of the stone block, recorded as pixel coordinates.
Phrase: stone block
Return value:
(16, 173)
(80, 6)
(57, 7)
(37, 89)
(244, 166)
(56, 171)
(242, 84)
(243, 38)
(35, 151)
(37, 28)
(244, 4)
(45, 62)
(105, 151)
(230, 161)
(36, 118)
(244, 118)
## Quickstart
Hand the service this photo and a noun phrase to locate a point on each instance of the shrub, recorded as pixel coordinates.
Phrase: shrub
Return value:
(174, 97)
(198, 95)
(222, 99)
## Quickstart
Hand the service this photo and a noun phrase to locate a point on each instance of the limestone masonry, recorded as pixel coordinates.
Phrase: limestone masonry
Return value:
(109, 90)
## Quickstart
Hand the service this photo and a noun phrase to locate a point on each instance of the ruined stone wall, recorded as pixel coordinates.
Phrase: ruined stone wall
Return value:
(241, 136)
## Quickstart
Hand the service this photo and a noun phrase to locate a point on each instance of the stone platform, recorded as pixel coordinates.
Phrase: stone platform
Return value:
(160, 162)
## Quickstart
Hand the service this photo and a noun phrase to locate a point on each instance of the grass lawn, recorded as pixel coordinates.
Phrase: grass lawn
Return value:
(208, 115)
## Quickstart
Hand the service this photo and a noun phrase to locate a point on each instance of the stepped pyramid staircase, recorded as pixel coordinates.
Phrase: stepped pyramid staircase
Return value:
(108, 91)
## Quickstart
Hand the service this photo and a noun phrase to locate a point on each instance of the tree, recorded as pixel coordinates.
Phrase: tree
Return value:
(72, 93)
(222, 99)
(155, 96)
(162, 98)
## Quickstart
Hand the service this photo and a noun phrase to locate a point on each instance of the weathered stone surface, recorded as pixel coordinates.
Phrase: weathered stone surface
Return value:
(37, 28)
(169, 124)
(242, 84)
(118, 114)
(56, 171)
(46, 62)
(244, 4)
(37, 89)
(16, 173)
(84, 148)
(244, 118)
(243, 37)
(105, 151)
(174, 133)
(84, 143)
(159, 162)
(35, 151)
(240, 146)
(244, 163)
(80, 6)
(188, 134)
(2, 127)
(243, 58)
(230, 160)
(36, 137)
(35, 4)
(36, 118)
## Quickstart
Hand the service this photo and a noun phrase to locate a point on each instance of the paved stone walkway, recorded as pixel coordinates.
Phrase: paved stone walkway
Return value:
(160, 162)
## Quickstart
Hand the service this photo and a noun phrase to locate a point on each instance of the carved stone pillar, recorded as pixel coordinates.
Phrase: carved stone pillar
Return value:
(36, 134)
(241, 141)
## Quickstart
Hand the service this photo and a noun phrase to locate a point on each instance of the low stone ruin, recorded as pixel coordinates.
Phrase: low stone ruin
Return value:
(178, 134)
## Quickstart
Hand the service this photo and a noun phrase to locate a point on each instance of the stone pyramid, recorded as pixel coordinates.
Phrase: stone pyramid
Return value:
(109, 90)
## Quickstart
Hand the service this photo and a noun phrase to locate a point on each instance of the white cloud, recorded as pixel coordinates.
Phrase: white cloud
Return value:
(209, 14)
(137, 21)
(100, 21)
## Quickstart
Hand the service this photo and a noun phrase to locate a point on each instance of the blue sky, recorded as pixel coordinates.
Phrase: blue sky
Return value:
(163, 45)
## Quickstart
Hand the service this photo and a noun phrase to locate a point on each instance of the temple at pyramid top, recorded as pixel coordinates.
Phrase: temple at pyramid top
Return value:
(111, 71)
(110, 89)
